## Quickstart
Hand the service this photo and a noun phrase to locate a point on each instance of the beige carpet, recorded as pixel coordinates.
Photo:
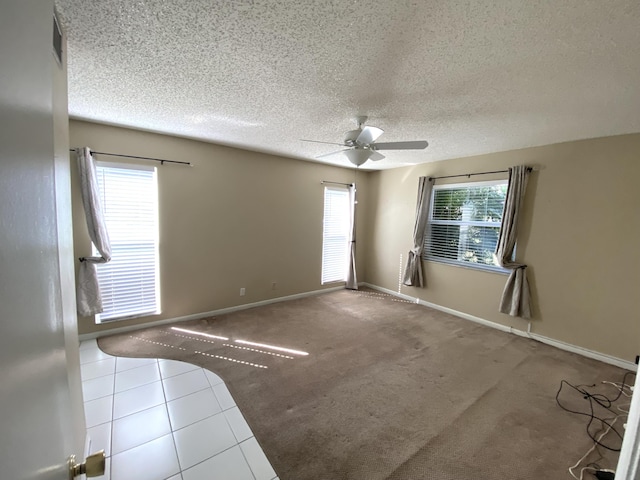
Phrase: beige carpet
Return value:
(389, 390)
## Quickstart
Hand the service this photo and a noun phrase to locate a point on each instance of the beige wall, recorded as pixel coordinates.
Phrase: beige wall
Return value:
(236, 219)
(580, 236)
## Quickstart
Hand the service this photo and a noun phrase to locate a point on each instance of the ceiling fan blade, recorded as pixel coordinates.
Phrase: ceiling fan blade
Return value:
(369, 135)
(326, 143)
(333, 153)
(417, 145)
(375, 156)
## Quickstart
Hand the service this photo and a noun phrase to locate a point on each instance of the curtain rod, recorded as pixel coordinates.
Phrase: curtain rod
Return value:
(162, 162)
(336, 183)
(529, 169)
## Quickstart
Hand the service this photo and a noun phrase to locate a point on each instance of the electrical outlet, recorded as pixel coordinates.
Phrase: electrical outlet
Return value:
(242, 292)
(273, 285)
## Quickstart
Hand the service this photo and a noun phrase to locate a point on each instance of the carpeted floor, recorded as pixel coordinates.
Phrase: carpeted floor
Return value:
(390, 390)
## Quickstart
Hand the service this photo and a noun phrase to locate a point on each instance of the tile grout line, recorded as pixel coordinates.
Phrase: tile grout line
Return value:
(173, 432)
(154, 406)
(221, 452)
(221, 412)
(245, 457)
(142, 384)
(182, 396)
(238, 442)
(166, 408)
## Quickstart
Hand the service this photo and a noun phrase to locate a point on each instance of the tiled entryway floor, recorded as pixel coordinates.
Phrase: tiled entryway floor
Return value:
(162, 419)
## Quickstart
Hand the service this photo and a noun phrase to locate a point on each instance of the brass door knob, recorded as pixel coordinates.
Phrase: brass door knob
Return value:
(93, 465)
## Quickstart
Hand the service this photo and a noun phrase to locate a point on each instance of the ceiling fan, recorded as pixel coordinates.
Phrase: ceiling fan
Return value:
(361, 144)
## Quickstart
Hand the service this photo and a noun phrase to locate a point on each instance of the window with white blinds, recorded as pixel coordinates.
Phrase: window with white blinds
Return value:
(464, 223)
(129, 283)
(335, 234)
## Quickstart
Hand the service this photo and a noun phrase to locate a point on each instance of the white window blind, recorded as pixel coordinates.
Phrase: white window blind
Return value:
(464, 223)
(129, 283)
(335, 235)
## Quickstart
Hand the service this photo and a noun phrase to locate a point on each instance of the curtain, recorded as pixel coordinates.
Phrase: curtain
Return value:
(413, 272)
(516, 300)
(352, 280)
(89, 299)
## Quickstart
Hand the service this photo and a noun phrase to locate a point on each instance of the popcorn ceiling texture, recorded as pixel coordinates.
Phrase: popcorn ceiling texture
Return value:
(471, 77)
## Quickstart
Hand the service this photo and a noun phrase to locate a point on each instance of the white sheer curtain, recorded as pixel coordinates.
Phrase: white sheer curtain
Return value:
(516, 299)
(413, 275)
(89, 299)
(352, 279)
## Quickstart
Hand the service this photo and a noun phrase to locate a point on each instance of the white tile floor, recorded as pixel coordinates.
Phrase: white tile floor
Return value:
(166, 420)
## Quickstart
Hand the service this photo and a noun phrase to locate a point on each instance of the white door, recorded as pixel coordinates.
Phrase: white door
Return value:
(41, 416)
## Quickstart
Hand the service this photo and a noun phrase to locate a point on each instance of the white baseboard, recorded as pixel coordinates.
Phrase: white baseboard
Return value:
(196, 316)
(602, 357)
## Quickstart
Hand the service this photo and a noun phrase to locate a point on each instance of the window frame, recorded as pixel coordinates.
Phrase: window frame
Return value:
(344, 190)
(430, 221)
(156, 240)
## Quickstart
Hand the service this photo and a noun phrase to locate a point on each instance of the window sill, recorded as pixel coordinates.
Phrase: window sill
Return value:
(334, 282)
(99, 321)
(474, 267)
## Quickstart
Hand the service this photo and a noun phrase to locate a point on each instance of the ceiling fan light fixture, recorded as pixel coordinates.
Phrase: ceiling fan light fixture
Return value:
(358, 156)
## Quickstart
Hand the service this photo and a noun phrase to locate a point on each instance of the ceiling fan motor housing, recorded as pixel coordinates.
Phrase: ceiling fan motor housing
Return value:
(351, 136)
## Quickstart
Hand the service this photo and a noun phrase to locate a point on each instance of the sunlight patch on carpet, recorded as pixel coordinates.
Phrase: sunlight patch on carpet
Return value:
(272, 347)
(257, 365)
(156, 343)
(258, 351)
(202, 334)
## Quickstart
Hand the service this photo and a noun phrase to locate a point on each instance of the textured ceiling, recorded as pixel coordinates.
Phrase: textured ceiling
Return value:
(470, 77)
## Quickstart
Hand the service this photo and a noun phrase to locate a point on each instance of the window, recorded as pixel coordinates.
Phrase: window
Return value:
(129, 283)
(464, 223)
(335, 234)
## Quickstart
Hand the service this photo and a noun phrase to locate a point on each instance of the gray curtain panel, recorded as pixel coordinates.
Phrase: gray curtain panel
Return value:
(352, 279)
(89, 300)
(516, 299)
(413, 275)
